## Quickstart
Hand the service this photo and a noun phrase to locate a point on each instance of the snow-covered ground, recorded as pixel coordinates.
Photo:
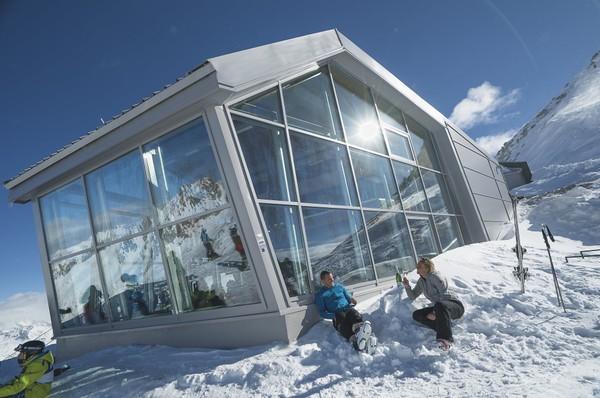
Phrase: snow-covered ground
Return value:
(508, 343)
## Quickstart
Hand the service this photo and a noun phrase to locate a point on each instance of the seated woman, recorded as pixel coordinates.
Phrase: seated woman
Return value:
(446, 306)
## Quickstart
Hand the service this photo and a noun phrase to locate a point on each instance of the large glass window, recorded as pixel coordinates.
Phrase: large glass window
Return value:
(422, 235)
(267, 158)
(265, 105)
(337, 243)
(79, 291)
(66, 220)
(422, 144)
(183, 173)
(323, 171)
(375, 180)
(207, 262)
(309, 105)
(399, 145)
(390, 243)
(435, 187)
(135, 278)
(358, 113)
(284, 231)
(119, 198)
(390, 114)
(448, 231)
(411, 187)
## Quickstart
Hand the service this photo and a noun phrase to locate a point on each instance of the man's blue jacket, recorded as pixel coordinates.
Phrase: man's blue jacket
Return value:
(333, 299)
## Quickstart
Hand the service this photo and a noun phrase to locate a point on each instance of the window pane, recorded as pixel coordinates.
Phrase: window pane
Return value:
(375, 180)
(79, 291)
(399, 145)
(135, 278)
(266, 155)
(390, 114)
(435, 187)
(264, 105)
(358, 113)
(283, 227)
(309, 105)
(337, 243)
(422, 237)
(119, 198)
(448, 231)
(323, 171)
(411, 187)
(390, 243)
(66, 220)
(183, 173)
(207, 262)
(422, 145)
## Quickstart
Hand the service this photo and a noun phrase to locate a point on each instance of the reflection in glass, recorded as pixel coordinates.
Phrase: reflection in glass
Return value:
(448, 231)
(207, 262)
(66, 221)
(323, 171)
(119, 198)
(390, 114)
(79, 291)
(309, 105)
(284, 231)
(411, 187)
(264, 105)
(420, 229)
(358, 113)
(337, 243)
(266, 155)
(183, 173)
(421, 141)
(375, 180)
(399, 145)
(435, 187)
(390, 243)
(135, 278)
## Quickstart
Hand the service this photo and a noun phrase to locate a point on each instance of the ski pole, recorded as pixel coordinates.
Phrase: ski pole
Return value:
(556, 284)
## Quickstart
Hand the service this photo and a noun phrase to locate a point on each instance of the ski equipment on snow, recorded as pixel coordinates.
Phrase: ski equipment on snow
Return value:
(547, 234)
(520, 272)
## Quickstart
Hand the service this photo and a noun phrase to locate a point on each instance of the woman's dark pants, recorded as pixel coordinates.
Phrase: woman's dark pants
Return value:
(344, 320)
(444, 312)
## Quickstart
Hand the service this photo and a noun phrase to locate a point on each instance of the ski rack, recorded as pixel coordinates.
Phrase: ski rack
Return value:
(520, 272)
(583, 255)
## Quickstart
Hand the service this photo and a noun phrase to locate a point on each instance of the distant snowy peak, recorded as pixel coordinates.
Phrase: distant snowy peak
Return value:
(567, 130)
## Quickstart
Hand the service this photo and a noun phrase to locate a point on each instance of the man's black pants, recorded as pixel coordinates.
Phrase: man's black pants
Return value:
(344, 320)
(444, 312)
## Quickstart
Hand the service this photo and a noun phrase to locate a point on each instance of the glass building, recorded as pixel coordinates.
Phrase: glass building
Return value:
(205, 217)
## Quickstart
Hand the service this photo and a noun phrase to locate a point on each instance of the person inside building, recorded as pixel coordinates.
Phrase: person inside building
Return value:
(446, 306)
(93, 309)
(334, 302)
(36, 378)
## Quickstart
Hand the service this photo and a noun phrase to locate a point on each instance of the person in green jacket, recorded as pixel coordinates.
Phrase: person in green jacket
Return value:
(35, 380)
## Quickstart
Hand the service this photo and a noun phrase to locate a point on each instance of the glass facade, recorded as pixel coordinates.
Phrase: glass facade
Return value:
(163, 237)
(371, 195)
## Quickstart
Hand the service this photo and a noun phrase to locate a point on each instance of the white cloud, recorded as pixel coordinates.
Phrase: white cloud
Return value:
(22, 308)
(482, 105)
(492, 143)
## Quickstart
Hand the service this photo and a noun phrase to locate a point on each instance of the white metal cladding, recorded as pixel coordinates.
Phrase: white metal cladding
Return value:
(491, 209)
(482, 184)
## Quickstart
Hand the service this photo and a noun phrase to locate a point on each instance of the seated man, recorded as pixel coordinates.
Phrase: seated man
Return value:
(37, 375)
(334, 302)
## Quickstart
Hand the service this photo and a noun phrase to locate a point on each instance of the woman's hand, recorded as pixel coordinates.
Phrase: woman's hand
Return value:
(405, 281)
(353, 300)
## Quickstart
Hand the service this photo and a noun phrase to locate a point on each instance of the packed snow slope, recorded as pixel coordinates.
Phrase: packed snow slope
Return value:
(508, 344)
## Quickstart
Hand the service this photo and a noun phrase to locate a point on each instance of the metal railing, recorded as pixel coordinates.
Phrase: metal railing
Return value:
(583, 254)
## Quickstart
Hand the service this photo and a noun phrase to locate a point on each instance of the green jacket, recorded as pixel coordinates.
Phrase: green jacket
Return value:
(35, 380)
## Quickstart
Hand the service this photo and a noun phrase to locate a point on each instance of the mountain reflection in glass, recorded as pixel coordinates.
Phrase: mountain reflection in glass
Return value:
(79, 292)
(375, 180)
(266, 155)
(283, 227)
(207, 262)
(421, 141)
(437, 193)
(411, 187)
(390, 243)
(420, 229)
(183, 173)
(323, 171)
(135, 278)
(337, 243)
(66, 220)
(448, 231)
(119, 198)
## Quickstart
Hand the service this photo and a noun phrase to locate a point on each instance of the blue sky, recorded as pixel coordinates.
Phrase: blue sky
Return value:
(66, 64)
